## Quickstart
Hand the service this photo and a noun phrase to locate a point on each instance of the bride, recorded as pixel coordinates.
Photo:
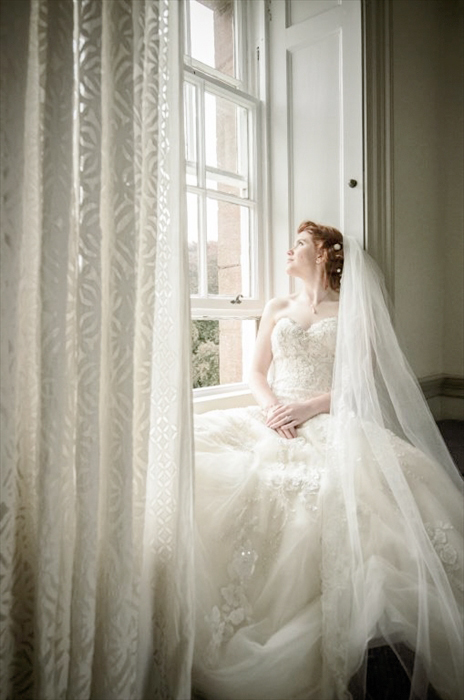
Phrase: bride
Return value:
(329, 517)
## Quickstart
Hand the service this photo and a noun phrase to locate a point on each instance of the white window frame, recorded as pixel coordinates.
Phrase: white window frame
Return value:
(205, 305)
(252, 76)
(240, 10)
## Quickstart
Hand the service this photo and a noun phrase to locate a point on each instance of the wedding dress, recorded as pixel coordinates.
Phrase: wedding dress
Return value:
(289, 593)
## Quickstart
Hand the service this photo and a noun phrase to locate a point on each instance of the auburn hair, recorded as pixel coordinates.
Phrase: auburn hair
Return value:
(326, 237)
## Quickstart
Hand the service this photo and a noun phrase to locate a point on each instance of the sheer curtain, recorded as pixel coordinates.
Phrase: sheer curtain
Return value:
(96, 500)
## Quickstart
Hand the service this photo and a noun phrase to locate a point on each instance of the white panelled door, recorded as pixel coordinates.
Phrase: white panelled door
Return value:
(315, 119)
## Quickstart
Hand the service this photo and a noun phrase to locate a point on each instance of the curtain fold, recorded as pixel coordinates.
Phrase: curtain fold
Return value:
(97, 463)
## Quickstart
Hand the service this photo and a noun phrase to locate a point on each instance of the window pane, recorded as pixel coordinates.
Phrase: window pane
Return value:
(228, 235)
(226, 135)
(212, 34)
(221, 351)
(193, 249)
(190, 133)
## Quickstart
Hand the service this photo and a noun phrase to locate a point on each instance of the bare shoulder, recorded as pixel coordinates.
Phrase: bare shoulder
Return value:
(275, 306)
(271, 313)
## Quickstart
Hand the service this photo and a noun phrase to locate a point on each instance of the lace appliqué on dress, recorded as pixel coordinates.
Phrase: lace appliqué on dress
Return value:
(235, 609)
(447, 553)
(293, 476)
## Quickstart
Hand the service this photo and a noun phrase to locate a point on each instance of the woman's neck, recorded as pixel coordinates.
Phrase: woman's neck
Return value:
(315, 290)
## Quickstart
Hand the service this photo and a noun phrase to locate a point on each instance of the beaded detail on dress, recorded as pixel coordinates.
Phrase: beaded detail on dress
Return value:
(303, 358)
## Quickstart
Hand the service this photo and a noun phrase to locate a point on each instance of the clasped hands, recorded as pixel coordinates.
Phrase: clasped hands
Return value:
(285, 418)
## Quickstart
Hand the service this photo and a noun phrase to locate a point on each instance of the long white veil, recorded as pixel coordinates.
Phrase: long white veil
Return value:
(379, 417)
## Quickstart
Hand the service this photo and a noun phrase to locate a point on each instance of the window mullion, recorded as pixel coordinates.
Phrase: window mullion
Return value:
(202, 232)
(226, 176)
(203, 258)
(238, 41)
(253, 167)
(252, 154)
(224, 197)
(220, 87)
(244, 144)
(188, 41)
(254, 262)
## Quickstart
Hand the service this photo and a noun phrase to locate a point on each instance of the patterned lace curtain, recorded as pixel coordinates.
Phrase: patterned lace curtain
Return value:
(96, 492)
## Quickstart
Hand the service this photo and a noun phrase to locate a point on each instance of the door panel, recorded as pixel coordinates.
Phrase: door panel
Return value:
(314, 133)
(298, 11)
(315, 118)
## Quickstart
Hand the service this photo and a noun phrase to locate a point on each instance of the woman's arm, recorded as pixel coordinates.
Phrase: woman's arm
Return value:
(262, 358)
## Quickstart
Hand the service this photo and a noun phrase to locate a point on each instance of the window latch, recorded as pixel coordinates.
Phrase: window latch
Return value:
(237, 300)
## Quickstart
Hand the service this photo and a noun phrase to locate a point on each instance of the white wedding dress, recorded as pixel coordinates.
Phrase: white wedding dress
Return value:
(258, 541)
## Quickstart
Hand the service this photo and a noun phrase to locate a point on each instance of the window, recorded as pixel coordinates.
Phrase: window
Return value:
(224, 203)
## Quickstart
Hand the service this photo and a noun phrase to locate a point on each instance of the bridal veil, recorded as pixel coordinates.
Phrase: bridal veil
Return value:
(379, 415)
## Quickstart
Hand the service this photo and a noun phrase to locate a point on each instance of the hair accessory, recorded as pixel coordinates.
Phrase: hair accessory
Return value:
(339, 269)
(337, 246)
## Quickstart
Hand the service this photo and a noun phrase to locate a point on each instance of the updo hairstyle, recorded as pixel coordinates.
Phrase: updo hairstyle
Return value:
(330, 241)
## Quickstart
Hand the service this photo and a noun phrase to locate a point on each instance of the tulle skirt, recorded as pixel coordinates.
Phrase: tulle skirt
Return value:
(259, 590)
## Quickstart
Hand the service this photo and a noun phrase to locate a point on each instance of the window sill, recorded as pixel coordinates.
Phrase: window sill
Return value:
(230, 399)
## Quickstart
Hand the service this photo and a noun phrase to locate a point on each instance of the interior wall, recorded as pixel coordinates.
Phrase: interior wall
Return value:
(451, 233)
(428, 182)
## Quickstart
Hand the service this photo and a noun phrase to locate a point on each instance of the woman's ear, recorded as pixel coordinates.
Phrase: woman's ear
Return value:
(322, 255)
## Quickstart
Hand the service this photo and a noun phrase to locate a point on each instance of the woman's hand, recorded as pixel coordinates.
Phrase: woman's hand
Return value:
(285, 431)
(288, 433)
(285, 418)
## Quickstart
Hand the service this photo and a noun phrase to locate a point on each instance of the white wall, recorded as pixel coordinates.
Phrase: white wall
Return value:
(428, 173)
(451, 234)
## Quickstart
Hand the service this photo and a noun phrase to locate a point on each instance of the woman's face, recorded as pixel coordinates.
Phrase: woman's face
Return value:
(302, 256)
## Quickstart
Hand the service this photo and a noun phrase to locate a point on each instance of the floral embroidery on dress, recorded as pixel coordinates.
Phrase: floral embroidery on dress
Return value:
(235, 608)
(447, 553)
(408, 457)
(293, 475)
(224, 620)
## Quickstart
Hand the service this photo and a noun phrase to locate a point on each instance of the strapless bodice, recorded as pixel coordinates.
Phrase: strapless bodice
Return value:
(302, 358)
